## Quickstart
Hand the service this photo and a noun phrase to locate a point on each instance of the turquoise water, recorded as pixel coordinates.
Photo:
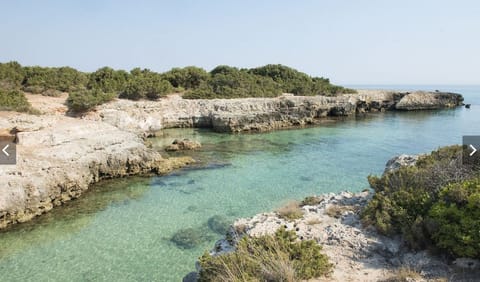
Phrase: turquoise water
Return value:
(121, 230)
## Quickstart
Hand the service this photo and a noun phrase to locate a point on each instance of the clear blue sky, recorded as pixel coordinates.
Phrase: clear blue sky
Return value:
(351, 42)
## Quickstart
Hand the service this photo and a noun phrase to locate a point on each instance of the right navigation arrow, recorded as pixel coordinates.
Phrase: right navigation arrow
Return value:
(474, 150)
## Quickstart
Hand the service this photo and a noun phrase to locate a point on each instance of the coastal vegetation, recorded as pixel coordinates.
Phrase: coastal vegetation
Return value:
(14, 100)
(278, 257)
(87, 89)
(433, 204)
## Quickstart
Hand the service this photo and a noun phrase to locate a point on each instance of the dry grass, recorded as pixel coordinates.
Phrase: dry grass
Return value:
(404, 274)
(313, 221)
(275, 265)
(290, 211)
(337, 211)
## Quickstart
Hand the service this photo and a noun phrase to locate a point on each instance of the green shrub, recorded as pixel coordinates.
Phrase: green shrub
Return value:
(14, 100)
(11, 75)
(187, 78)
(299, 83)
(230, 82)
(403, 198)
(145, 84)
(280, 257)
(85, 100)
(455, 219)
(108, 80)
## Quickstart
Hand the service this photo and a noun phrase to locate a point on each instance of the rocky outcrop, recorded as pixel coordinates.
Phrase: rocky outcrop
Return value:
(183, 145)
(261, 114)
(59, 157)
(398, 161)
(421, 100)
(358, 253)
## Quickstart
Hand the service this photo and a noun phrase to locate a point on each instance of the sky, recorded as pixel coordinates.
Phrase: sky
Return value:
(348, 41)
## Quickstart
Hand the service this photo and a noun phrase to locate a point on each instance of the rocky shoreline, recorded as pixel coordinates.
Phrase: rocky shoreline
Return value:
(59, 156)
(358, 252)
(262, 114)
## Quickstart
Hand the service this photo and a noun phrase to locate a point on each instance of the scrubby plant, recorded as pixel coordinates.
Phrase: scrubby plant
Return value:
(145, 84)
(108, 80)
(278, 257)
(187, 78)
(85, 100)
(299, 83)
(455, 219)
(404, 199)
(14, 100)
(290, 211)
(11, 75)
(230, 82)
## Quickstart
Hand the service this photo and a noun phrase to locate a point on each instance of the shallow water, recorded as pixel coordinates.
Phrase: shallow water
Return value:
(120, 230)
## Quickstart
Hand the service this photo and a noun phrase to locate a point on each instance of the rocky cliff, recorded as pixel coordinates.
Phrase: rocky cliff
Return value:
(262, 114)
(59, 157)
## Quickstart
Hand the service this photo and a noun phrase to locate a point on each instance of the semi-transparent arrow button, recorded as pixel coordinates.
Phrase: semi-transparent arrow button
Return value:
(4, 150)
(474, 150)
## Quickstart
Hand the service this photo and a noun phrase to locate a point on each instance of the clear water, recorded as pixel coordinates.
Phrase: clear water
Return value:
(120, 230)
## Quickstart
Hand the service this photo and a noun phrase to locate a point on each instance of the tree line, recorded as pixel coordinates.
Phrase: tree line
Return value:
(86, 90)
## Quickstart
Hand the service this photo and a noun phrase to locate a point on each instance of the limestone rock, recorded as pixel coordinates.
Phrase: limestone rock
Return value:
(182, 145)
(398, 161)
(421, 100)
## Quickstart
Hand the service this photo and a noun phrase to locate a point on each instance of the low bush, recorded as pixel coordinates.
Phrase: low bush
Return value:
(144, 84)
(14, 100)
(417, 202)
(85, 100)
(280, 257)
(230, 82)
(187, 78)
(290, 211)
(454, 221)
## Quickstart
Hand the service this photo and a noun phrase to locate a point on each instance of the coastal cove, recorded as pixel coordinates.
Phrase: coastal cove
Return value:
(121, 229)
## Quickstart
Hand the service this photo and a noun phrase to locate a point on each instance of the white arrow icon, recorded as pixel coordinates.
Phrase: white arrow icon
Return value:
(8, 155)
(474, 150)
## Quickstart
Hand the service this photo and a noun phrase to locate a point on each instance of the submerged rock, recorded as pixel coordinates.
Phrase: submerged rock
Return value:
(182, 145)
(219, 224)
(188, 238)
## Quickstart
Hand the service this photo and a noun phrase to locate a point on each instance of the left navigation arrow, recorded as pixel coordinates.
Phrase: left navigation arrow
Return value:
(4, 150)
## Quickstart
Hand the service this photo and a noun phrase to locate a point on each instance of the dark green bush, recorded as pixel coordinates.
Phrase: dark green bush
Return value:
(11, 75)
(299, 83)
(267, 258)
(38, 80)
(13, 100)
(188, 77)
(85, 100)
(108, 80)
(403, 198)
(455, 219)
(145, 84)
(229, 82)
